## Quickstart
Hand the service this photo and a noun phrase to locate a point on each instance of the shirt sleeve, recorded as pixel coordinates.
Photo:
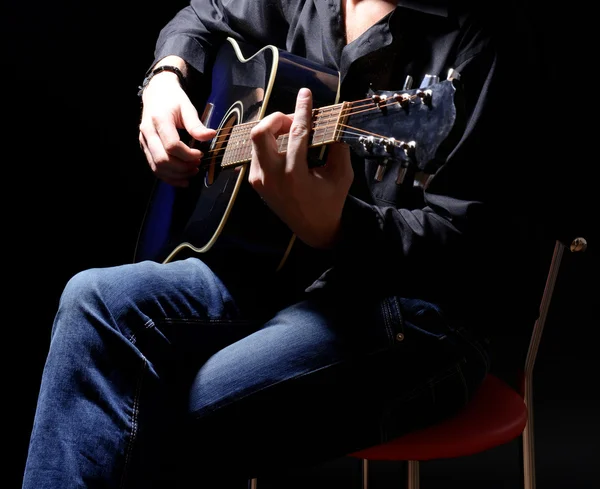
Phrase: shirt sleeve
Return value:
(196, 31)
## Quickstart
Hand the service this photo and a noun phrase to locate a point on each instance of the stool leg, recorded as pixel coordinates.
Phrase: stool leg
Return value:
(365, 473)
(252, 483)
(412, 470)
(527, 438)
(528, 456)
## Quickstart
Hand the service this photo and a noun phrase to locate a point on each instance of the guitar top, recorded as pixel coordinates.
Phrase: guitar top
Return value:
(220, 217)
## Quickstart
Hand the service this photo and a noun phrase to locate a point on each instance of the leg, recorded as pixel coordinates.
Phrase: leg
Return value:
(319, 381)
(107, 367)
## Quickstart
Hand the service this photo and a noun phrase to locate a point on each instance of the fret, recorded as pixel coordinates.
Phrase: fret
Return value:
(327, 123)
(238, 146)
(342, 116)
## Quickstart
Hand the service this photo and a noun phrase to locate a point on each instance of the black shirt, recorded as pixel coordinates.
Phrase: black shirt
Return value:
(465, 242)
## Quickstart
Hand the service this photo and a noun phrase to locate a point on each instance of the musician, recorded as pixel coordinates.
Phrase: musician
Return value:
(206, 371)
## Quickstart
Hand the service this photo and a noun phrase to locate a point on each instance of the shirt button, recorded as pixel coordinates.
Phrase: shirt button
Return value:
(399, 337)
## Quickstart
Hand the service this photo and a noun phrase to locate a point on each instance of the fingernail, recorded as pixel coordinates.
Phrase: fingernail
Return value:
(304, 93)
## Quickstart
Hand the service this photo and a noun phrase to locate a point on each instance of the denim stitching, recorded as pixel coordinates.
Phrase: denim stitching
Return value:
(134, 421)
(387, 320)
(390, 306)
(197, 321)
(396, 303)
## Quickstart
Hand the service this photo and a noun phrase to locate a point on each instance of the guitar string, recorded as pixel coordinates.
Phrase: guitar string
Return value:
(348, 131)
(321, 113)
(351, 108)
(225, 133)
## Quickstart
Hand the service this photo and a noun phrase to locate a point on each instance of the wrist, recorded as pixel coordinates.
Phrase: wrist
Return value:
(163, 68)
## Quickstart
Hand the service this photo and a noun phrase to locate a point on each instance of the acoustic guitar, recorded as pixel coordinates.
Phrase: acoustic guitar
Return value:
(219, 213)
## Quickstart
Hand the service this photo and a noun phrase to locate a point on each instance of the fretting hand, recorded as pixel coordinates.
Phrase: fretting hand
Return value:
(308, 200)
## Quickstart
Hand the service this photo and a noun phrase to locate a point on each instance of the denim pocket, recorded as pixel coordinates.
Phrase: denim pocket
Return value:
(438, 364)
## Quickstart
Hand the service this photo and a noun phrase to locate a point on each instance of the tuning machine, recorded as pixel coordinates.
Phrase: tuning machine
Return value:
(409, 153)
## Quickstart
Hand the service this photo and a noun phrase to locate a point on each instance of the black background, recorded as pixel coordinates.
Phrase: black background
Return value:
(76, 185)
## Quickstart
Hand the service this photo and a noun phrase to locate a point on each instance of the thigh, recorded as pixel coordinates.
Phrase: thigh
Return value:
(317, 381)
(322, 344)
(297, 342)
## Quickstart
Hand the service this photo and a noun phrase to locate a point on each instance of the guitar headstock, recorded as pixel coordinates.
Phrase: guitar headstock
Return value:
(406, 128)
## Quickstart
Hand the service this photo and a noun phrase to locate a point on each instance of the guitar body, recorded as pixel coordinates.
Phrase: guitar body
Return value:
(219, 216)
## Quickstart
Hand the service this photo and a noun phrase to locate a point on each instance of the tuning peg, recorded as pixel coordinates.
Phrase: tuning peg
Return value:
(409, 152)
(429, 80)
(408, 83)
(389, 145)
(367, 143)
(379, 99)
(425, 96)
(381, 170)
(453, 75)
(402, 171)
(403, 99)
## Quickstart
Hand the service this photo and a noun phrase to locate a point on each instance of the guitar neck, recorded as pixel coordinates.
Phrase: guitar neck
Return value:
(327, 124)
(407, 127)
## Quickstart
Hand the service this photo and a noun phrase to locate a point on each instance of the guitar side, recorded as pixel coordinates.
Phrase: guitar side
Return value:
(219, 216)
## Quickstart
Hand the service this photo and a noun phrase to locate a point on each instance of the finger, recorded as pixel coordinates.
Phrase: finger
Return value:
(300, 129)
(169, 141)
(144, 148)
(164, 165)
(265, 148)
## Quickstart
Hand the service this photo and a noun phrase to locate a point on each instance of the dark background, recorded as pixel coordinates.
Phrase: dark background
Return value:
(77, 185)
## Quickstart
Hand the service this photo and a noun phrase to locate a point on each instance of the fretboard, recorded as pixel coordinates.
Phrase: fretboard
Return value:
(327, 124)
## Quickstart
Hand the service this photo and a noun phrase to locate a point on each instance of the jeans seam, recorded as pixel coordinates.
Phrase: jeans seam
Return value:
(151, 323)
(388, 317)
(204, 320)
(134, 421)
(387, 320)
(147, 325)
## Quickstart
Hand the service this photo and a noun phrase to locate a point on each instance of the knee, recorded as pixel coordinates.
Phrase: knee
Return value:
(84, 288)
(82, 298)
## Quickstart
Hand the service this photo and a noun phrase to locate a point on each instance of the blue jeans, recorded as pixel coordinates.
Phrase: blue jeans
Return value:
(156, 378)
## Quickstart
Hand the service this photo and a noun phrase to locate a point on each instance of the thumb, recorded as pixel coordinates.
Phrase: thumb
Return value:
(193, 125)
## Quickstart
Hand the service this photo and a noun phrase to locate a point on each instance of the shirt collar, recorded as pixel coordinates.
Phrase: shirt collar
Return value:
(436, 7)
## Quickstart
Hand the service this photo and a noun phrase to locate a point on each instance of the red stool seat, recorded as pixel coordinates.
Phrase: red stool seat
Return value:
(495, 415)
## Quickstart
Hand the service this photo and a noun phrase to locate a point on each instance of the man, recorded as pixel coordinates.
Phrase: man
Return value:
(386, 314)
